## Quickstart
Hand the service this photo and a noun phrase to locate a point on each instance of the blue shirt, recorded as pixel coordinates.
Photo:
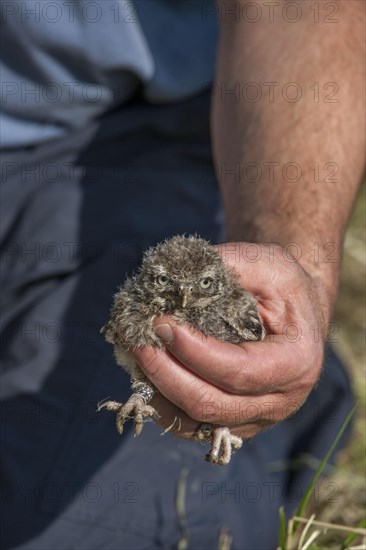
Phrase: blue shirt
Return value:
(67, 61)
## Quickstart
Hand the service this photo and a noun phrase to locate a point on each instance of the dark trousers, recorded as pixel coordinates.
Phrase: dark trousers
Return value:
(77, 214)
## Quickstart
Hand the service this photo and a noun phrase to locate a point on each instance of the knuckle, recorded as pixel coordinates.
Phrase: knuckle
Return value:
(201, 408)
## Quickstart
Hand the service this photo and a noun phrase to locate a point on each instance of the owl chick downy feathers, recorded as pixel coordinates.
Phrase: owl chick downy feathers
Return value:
(186, 278)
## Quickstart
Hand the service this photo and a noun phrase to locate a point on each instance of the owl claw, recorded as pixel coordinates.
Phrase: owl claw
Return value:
(223, 445)
(135, 408)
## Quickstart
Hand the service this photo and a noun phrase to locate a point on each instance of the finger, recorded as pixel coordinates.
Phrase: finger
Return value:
(272, 365)
(173, 419)
(249, 430)
(201, 400)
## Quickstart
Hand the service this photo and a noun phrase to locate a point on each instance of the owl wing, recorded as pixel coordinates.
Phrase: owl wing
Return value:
(243, 320)
(131, 322)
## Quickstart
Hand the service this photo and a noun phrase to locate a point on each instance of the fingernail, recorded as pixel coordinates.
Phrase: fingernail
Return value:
(164, 331)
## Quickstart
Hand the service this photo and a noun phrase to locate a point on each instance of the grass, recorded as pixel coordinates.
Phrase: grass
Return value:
(302, 533)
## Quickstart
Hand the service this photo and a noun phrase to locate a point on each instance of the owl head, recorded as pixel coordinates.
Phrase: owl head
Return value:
(183, 272)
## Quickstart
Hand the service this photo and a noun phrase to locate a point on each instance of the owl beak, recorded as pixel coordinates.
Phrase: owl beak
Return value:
(185, 298)
(184, 292)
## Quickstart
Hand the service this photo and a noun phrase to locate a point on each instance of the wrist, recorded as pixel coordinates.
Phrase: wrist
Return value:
(324, 285)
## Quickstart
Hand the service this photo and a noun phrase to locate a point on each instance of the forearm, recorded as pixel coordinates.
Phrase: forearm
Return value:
(254, 142)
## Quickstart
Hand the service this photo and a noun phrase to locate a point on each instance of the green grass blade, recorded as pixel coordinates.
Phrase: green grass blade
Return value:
(353, 536)
(282, 530)
(305, 499)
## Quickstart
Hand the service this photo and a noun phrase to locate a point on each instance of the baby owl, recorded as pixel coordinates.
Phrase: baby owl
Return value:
(186, 278)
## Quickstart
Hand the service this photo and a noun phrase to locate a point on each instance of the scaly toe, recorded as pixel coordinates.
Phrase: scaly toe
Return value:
(224, 444)
(236, 442)
(204, 432)
(136, 409)
(113, 406)
(210, 458)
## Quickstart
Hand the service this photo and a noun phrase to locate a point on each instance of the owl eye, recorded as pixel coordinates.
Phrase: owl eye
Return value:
(205, 282)
(163, 280)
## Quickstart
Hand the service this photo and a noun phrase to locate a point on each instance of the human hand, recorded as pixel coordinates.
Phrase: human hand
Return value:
(253, 385)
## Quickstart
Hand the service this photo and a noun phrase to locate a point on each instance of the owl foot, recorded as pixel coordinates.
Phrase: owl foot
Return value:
(223, 443)
(135, 408)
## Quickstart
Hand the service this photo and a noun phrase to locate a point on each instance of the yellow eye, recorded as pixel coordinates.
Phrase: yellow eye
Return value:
(206, 282)
(163, 280)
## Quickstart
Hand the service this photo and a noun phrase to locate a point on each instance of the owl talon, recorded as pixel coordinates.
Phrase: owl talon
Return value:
(135, 408)
(223, 445)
